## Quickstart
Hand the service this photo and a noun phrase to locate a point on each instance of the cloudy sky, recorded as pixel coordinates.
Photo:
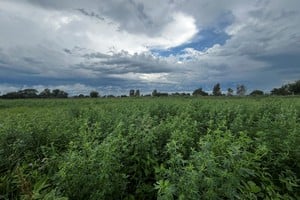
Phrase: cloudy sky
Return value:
(170, 45)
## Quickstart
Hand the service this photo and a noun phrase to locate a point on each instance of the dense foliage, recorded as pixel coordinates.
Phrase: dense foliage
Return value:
(150, 148)
(199, 92)
(256, 93)
(33, 93)
(288, 89)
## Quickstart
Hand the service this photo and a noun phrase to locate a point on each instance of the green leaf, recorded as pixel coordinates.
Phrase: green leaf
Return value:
(253, 187)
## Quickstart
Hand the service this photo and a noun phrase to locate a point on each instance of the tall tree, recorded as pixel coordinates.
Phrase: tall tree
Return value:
(154, 93)
(137, 93)
(241, 90)
(131, 93)
(94, 94)
(229, 92)
(217, 90)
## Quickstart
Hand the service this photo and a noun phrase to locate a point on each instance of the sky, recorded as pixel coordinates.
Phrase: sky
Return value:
(113, 46)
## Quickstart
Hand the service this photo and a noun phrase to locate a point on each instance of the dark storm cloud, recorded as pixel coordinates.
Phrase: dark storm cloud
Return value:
(123, 63)
(283, 64)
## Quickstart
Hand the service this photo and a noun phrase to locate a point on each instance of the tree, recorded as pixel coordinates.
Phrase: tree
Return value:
(131, 93)
(154, 93)
(62, 94)
(240, 90)
(159, 94)
(199, 92)
(283, 90)
(287, 89)
(137, 93)
(55, 92)
(59, 94)
(46, 93)
(217, 90)
(94, 94)
(229, 92)
(280, 91)
(162, 94)
(294, 88)
(256, 93)
(28, 93)
(10, 95)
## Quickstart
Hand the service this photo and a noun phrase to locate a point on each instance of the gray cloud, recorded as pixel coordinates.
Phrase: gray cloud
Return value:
(72, 41)
(124, 63)
(133, 16)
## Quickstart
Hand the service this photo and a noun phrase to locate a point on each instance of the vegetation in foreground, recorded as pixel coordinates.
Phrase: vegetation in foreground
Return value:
(155, 148)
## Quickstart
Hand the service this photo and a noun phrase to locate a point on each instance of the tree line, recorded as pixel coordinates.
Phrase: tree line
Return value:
(240, 91)
(286, 89)
(33, 93)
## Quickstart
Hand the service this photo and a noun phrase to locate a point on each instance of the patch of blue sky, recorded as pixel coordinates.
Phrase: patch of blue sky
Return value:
(202, 41)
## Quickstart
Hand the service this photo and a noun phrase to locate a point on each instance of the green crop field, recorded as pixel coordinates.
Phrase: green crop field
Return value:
(150, 148)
